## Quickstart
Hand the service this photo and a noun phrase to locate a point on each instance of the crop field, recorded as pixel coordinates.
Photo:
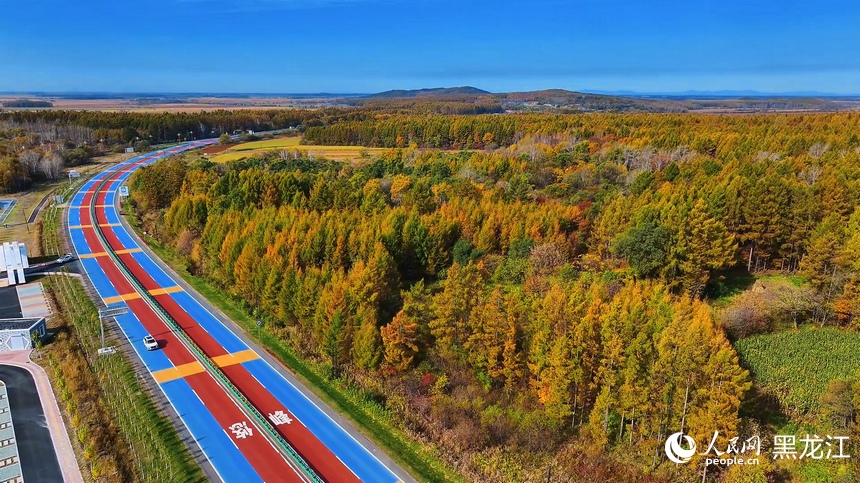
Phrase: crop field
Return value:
(796, 366)
(255, 148)
(290, 142)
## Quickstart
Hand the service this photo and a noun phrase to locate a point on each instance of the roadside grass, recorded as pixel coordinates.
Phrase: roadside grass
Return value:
(379, 424)
(150, 449)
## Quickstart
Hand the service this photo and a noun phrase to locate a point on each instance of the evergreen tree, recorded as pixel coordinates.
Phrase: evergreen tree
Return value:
(703, 245)
(453, 306)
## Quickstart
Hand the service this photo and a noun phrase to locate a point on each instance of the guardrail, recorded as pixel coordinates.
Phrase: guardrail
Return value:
(200, 355)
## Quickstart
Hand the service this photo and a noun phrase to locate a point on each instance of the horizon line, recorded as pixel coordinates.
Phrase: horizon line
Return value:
(614, 93)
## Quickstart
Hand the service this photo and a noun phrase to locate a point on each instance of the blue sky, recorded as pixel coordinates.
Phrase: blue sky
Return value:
(293, 46)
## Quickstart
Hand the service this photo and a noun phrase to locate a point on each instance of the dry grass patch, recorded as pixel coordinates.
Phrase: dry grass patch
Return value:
(259, 148)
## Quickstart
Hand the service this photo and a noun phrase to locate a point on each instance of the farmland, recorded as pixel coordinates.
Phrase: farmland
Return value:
(256, 148)
(168, 103)
(797, 365)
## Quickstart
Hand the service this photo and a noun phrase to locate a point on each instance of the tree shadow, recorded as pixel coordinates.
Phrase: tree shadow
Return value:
(729, 283)
(764, 407)
(41, 259)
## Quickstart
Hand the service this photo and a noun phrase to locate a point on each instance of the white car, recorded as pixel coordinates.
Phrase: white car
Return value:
(68, 257)
(150, 343)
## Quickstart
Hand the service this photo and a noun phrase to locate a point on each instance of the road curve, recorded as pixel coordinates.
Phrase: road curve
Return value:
(39, 207)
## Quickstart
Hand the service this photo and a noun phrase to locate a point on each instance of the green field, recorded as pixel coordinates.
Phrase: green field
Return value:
(738, 281)
(257, 148)
(290, 142)
(796, 366)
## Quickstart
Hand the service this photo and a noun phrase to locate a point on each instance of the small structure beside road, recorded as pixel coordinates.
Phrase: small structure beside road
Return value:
(19, 334)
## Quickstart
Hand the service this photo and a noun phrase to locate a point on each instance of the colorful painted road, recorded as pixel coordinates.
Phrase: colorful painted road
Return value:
(231, 441)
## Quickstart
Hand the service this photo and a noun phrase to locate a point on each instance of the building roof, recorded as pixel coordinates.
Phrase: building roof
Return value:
(19, 324)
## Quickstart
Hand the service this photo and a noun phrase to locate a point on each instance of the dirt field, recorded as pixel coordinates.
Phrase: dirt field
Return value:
(212, 150)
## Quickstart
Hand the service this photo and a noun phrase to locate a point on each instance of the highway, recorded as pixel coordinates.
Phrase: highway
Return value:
(249, 421)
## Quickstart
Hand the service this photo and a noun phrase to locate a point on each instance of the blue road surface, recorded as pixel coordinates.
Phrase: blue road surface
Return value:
(353, 455)
(345, 447)
(226, 459)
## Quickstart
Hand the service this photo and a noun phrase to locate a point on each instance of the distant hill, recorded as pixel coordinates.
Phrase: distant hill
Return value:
(471, 100)
(580, 101)
(433, 92)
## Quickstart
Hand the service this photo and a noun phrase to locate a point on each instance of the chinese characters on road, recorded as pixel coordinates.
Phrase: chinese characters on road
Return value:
(241, 430)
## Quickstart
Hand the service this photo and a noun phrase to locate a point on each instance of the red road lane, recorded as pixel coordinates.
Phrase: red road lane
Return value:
(266, 460)
(315, 453)
(321, 459)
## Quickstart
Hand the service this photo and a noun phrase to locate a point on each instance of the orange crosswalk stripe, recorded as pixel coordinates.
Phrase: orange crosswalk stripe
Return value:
(135, 295)
(104, 254)
(191, 368)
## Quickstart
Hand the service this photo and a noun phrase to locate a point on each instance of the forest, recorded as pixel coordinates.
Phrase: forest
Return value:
(37, 145)
(26, 156)
(549, 294)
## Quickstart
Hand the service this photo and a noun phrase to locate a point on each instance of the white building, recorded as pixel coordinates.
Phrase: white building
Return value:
(13, 260)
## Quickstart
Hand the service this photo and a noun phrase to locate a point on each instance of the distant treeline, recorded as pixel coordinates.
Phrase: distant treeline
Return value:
(27, 103)
(123, 127)
(720, 136)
